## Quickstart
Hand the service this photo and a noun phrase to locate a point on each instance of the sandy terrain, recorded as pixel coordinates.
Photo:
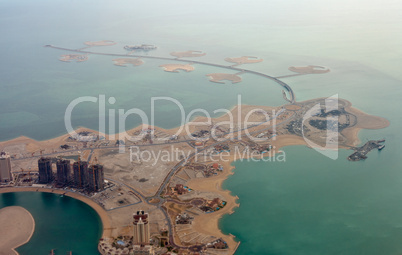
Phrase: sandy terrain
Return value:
(365, 121)
(174, 68)
(309, 69)
(147, 176)
(187, 54)
(100, 43)
(124, 61)
(17, 228)
(219, 77)
(244, 60)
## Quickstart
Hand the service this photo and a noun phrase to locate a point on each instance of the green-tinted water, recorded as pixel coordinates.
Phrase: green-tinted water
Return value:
(61, 223)
(308, 205)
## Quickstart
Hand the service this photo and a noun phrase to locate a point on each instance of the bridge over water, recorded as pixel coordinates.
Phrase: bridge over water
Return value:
(292, 96)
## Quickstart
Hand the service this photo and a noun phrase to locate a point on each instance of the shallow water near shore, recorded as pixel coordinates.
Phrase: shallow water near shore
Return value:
(308, 205)
(61, 223)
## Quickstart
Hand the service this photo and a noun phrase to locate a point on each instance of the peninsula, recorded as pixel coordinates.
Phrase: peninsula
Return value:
(173, 178)
(19, 225)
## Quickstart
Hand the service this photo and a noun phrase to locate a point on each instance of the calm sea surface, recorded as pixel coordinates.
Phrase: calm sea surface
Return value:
(61, 223)
(308, 205)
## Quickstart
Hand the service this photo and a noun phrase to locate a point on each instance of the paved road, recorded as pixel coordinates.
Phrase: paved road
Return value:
(181, 163)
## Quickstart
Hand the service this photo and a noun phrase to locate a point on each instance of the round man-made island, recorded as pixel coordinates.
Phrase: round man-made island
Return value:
(19, 225)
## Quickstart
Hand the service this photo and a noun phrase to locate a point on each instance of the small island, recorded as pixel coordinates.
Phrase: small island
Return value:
(174, 68)
(244, 60)
(309, 69)
(74, 57)
(219, 77)
(19, 225)
(125, 61)
(189, 53)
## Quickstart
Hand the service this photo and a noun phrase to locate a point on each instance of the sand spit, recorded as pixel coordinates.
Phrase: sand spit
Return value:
(17, 227)
(100, 43)
(219, 77)
(74, 57)
(124, 61)
(309, 69)
(189, 53)
(107, 227)
(115, 221)
(244, 60)
(174, 68)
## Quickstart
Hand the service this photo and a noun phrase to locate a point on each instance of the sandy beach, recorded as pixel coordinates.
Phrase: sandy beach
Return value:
(244, 60)
(309, 69)
(174, 68)
(19, 225)
(125, 61)
(101, 212)
(206, 223)
(219, 77)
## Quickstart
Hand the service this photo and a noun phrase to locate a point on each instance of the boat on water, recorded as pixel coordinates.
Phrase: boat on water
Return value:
(381, 147)
(52, 252)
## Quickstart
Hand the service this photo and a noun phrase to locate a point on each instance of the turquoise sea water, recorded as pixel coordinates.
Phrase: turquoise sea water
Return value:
(61, 223)
(308, 205)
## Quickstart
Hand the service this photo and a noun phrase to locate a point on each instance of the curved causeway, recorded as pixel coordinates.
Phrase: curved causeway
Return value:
(292, 96)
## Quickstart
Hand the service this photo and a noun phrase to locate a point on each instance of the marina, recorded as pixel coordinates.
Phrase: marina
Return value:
(361, 152)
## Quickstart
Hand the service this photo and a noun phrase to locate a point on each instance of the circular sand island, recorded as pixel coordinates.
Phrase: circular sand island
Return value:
(189, 53)
(125, 61)
(244, 60)
(174, 68)
(219, 77)
(74, 57)
(309, 69)
(19, 225)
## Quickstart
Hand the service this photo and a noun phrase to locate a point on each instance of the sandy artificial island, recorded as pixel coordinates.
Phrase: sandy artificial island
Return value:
(189, 53)
(219, 77)
(17, 227)
(174, 68)
(189, 190)
(244, 60)
(74, 57)
(125, 61)
(309, 69)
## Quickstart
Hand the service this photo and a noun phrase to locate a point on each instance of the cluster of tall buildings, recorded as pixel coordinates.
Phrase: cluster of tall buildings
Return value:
(81, 175)
(5, 167)
(141, 234)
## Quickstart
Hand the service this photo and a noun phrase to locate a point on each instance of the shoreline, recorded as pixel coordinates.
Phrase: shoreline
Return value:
(104, 217)
(30, 236)
(205, 223)
(20, 219)
(130, 129)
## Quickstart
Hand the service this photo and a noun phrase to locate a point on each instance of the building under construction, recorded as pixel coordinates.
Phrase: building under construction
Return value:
(63, 172)
(95, 178)
(45, 170)
(80, 169)
(5, 168)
